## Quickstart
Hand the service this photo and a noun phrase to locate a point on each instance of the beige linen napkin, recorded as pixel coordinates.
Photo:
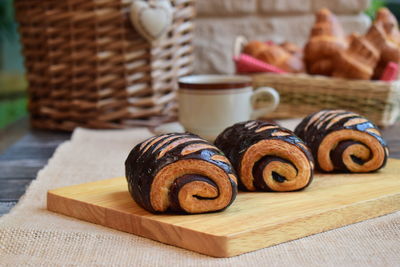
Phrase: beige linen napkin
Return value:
(32, 236)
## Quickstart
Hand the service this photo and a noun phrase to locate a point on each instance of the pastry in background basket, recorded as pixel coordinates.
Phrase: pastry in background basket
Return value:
(343, 141)
(373, 55)
(293, 49)
(368, 55)
(180, 172)
(359, 60)
(267, 157)
(324, 45)
(390, 50)
(389, 23)
(288, 60)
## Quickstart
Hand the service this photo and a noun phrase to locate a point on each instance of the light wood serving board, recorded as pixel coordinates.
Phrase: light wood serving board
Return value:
(254, 221)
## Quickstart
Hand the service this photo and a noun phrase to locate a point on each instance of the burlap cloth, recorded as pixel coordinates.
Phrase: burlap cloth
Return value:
(31, 235)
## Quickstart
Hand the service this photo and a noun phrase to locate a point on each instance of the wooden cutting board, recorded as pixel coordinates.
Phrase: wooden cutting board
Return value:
(254, 221)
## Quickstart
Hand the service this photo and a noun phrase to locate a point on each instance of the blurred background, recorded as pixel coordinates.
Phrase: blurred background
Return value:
(12, 81)
(217, 24)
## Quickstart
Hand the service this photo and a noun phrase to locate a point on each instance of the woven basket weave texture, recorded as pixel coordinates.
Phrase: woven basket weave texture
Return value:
(303, 94)
(87, 66)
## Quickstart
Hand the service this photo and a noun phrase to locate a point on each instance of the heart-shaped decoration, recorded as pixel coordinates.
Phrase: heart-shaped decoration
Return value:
(151, 19)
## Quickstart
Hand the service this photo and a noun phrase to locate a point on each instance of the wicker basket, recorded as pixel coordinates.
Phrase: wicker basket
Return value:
(303, 94)
(87, 66)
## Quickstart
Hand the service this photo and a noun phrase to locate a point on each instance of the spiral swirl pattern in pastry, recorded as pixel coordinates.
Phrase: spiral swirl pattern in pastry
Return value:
(343, 141)
(267, 157)
(180, 172)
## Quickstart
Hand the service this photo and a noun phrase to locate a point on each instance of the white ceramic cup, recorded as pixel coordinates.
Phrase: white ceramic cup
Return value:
(210, 103)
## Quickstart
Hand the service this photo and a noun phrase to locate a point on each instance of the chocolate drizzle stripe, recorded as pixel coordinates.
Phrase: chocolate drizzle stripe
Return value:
(150, 178)
(306, 150)
(338, 118)
(303, 146)
(166, 140)
(146, 142)
(338, 114)
(195, 147)
(233, 177)
(327, 119)
(354, 121)
(280, 133)
(264, 128)
(323, 118)
(338, 138)
(313, 118)
(220, 158)
(328, 113)
(175, 144)
(155, 140)
(245, 147)
(251, 123)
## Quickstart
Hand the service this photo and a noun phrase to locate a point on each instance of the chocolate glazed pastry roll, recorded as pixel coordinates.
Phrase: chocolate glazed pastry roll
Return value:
(180, 172)
(267, 157)
(343, 141)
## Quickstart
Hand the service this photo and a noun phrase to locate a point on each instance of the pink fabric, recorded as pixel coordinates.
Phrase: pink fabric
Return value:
(245, 64)
(390, 73)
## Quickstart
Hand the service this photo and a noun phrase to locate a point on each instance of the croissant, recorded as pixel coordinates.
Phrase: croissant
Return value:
(359, 60)
(325, 43)
(390, 52)
(343, 141)
(252, 48)
(292, 48)
(274, 55)
(390, 49)
(267, 157)
(180, 172)
(389, 23)
(279, 57)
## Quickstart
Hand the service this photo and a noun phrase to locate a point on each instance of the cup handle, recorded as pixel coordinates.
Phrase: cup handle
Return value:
(263, 101)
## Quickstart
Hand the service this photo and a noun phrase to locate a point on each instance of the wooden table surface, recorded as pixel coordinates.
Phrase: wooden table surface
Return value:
(24, 151)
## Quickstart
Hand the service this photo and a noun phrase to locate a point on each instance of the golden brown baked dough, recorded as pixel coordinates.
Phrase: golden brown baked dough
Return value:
(279, 57)
(359, 60)
(390, 52)
(390, 49)
(275, 55)
(267, 157)
(180, 172)
(292, 49)
(252, 48)
(389, 23)
(367, 56)
(325, 43)
(343, 141)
